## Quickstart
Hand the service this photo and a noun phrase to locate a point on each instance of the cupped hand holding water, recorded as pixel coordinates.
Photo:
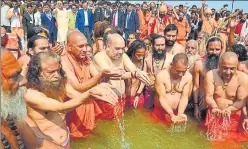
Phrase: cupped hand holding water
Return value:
(104, 92)
(226, 112)
(245, 125)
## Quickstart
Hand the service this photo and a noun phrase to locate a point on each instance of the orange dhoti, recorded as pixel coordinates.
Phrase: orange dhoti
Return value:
(81, 121)
(109, 111)
(130, 99)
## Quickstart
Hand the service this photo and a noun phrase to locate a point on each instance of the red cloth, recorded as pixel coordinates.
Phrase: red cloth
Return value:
(234, 127)
(238, 28)
(108, 110)
(130, 99)
(160, 114)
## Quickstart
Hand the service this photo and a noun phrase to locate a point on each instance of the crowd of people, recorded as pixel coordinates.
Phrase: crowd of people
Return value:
(66, 64)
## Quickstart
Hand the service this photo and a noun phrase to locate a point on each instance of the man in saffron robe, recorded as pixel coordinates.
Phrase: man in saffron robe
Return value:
(75, 63)
(225, 93)
(183, 28)
(144, 16)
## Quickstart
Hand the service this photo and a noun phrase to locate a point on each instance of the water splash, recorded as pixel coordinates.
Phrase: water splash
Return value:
(121, 123)
(177, 128)
(218, 128)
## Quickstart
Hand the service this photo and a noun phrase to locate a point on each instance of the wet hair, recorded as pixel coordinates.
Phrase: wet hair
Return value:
(170, 27)
(136, 45)
(31, 41)
(213, 39)
(106, 35)
(240, 50)
(154, 37)
(99, 28)
(34, 68)
(182, 57)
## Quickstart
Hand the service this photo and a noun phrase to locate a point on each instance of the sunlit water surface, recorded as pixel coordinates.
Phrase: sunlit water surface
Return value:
(142, 132)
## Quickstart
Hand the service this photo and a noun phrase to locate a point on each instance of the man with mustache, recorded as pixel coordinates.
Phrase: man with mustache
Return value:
(76, 64)
(200, 69)
(50, 96)
(114, 57)
(144, 16)
(173, 86)
(183, 27)
(225, 94)
(170, 34)
(158, 60)
(192, 52)
(15, 132)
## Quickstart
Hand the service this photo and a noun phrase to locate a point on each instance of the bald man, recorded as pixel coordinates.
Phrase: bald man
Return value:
(75, 62)
(225, 94)
(192, 52)
(173, 86)
(114, 57)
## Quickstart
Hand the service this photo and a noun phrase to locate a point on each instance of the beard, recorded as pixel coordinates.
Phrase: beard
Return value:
(158, 55)
(13, 105)
(169, 43)
(54, 89)
(212, 61)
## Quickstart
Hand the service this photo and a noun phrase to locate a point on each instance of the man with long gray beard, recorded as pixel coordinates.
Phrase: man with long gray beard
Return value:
(200, 69)
(49, 96)
(159, 59)
(15, 132)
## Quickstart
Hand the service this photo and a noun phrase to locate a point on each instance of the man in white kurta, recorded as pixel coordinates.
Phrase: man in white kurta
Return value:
(62, 18)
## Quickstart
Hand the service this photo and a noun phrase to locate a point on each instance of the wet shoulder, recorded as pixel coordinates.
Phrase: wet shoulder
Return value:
(179, 47)
(188, 77)
(163, 75)
(169, 57)
(242, 77)
(32, 95)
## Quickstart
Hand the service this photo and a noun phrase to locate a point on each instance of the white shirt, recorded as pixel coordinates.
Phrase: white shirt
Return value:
(37, 19)
(15, 19)
(244, 30)
(4, 17)
(128, 17)
(86, 20)
(116, 18)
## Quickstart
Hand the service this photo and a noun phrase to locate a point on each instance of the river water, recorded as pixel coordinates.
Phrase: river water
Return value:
(143, 132)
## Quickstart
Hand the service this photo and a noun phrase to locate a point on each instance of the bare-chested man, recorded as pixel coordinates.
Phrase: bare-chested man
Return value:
(36, 44)
(76, 62)
(192, 53)
(170, 34)
(200, 69)
(172, 87)
(225, 93)
(49, 96)
(15, 132)
(158, 60)
(114, 57)
(136, 53)
(242, 56)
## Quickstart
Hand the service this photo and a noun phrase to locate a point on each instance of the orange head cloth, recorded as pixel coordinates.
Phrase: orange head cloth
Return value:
(10, 67)
(163, 9)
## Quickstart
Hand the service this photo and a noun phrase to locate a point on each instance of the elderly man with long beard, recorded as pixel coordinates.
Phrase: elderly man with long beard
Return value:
(115, 58)
(158, 60)
(76, 63)
(192, 52)
(49, 96)
(225, 93)
(173, 85)
(15, 132)
(200, 69)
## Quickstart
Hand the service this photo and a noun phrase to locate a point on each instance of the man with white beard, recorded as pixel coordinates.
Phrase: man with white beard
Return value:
(15, 133)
